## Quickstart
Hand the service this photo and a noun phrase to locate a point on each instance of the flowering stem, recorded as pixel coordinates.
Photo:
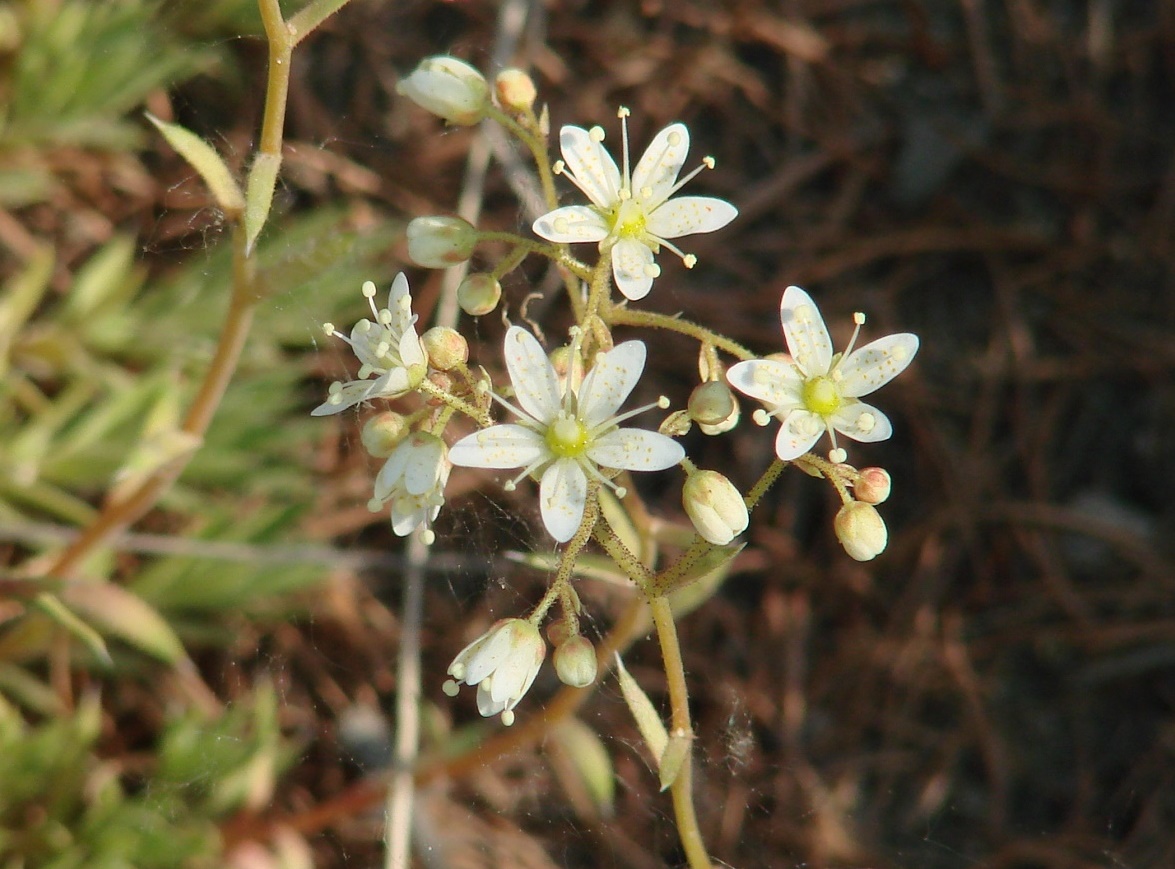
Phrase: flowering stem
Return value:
(681, 789)
(765, 482)
(591, 513)
(480, 416)
(625, 560)
(306, 20)
(598, 289)
(616, 315)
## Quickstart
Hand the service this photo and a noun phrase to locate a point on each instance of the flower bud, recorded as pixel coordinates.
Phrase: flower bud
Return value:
(515, 89)
(714, 506)
(575, 661)
(861, 531)
(873, 485)
(479, 294)
(382, 432)
(448, 87)
(711, 403)
(723, 426)
(446, 348)
(439, 242)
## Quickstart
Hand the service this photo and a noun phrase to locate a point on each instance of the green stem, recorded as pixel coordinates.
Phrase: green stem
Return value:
(312, 14)
(616, 315)
(277, 88)
(591, 513)
(682, 787)
(480, 416)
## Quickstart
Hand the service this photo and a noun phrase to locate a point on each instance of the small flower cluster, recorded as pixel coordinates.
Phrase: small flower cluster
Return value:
(566, 428)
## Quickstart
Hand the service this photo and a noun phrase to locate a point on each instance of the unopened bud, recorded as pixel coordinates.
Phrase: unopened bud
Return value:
(711, 402)
(439, 242)
(382, 432)
(446, 348)
(448, 87)
(479, 294)
(575, 661)
(714, 506)
(873, 485)
(515, 89)
(861, 531)
(723, 426)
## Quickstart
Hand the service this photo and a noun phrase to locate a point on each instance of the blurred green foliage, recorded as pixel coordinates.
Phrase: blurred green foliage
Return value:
(99, 361)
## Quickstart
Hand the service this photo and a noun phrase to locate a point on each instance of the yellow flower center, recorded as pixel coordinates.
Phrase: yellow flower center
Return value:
(821, 396)
(629, 220)
(567, 437)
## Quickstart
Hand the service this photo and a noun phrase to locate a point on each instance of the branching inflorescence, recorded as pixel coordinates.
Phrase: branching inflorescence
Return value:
(564, 427)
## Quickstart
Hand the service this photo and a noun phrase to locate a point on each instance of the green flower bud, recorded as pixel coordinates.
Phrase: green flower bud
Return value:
(439, 242)
(711, 403)
(479, 294)
(575, 661)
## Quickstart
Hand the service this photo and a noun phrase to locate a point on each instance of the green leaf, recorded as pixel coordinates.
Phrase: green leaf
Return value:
(648, 722)
(584, 767)
(203, 158)
(115, 611)
(63, 616)
(259, 195)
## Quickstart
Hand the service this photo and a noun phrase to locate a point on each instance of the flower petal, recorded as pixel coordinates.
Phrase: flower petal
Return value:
(391, 473)
(531, 374)
(593, 168)
(632, 267)
(635, 449)
(398, 290)
(499, 446)
(487, 706)
(409, 513)
(771, 381)
(489, 656)
(609, 383)
(861, 422)
(349, 395)
(571, 224)
(411, 351)
(803, 328)
(686, 215)
(424, 470)
(656, 173)
(876, 364)
(798, 434)
(562, 497)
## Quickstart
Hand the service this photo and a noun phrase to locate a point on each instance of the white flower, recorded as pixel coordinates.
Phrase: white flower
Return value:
(448, 87)
(387, 346)
(502, 663)
(632, 213)
(565, 435)
(413, 479)
(817, 391)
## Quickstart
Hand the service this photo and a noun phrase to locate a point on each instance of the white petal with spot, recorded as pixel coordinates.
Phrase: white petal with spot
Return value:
(861, 422)
(631, 262)
(660, 164)
(571, 224)
(499, 446)
(535, 385)
(591, 164)
(609, 383)
(876, 364)
(562, 497)
(805, 332)
(635, 449)
(772, 382)
(687, 215)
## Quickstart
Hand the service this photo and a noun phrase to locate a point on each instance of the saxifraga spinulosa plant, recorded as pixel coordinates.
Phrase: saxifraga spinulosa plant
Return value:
(558, 425)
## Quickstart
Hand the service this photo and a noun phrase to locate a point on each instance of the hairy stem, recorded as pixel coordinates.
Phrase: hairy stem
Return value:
(616, 315)
(681, 789)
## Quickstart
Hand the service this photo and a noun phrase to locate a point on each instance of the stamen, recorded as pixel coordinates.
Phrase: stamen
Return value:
(557, 167)
(761, 417)
(329, 329)
(707, 163)
(616, 420)
(508, 717)
(511, 485)
(837, 456)
(369, 289)
(451, 688)
(626, 177)
(859, 320)
(594, 472)
(521, 414)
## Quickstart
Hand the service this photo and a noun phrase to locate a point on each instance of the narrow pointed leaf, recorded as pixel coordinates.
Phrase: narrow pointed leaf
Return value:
(648, 722)
(117, 612)
(259, 195)
(203, 158)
